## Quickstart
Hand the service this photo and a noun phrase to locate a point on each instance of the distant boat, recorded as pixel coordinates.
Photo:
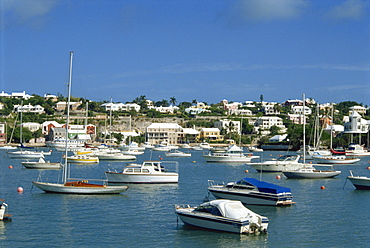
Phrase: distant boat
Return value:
(83, 159)
(147, 172)
(334, 159)
(356, 150)
(360, 182)
(285, 162)
(25, 154)
(233, 154)
(41, 164)
(177, 153)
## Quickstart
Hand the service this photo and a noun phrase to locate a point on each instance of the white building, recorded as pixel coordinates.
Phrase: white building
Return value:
(228, 125)
(29, 109)
(356, 124)
(264, 123)
(359, 109)
(121, 106)
(168, 132)
(299, 110)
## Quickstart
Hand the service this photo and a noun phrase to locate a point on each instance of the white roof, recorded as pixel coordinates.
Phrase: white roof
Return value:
(164, 125)
(190, 131)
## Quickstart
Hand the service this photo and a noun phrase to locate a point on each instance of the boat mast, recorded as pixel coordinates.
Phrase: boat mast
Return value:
(304, 129)
(65, 169)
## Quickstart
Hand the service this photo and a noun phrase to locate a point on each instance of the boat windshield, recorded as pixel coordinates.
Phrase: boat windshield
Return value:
(287, 158)
(208, 209)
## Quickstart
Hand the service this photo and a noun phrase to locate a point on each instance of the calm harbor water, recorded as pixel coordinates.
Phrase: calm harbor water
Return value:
(143, 216)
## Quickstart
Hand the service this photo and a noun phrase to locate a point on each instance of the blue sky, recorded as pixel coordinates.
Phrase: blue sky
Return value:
(205, 50)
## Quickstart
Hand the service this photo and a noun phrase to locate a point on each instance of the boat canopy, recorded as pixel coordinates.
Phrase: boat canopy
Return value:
(263, 186)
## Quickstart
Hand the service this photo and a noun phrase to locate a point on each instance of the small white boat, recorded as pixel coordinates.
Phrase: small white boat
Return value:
(3, 212)
(25, 154)
(223, 215)
(255, 149)
(83, 159)
(186, 146)
(252, 191)
(132, 146)
(8, 147)
(205, 145)
(147, 172)
(360, 182)
(41, 164)
(232, 154)
(162, 148)
(310, 172)
(197, 148)
(356, 150)
(177, 153)
(342, 159)
(283, 163)
(133, 152)
(147, 144)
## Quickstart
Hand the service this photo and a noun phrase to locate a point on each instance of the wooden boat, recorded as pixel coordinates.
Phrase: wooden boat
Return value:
(41, 164)
(223, 215)
(76, 186)
(342, 159)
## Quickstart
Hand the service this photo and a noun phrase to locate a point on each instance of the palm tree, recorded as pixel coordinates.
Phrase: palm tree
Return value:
(173, 100)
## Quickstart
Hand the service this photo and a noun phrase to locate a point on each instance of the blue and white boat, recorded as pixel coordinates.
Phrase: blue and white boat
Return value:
(252, 191)
(223, 215)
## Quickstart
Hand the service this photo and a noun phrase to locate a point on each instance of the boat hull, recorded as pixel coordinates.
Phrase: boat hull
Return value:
(252, 197)
(310, 175)
(229, 159)
(61, 188)
(362, 183)
(217, 222)
(334, 160)
(115, 177)
(275, 167)
(36, 165)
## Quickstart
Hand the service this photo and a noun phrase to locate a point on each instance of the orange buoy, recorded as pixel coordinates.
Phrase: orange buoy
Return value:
(20, 190)
(322, 187)
(246, 171)
(368, 167)
(278, 177)
(10, 166)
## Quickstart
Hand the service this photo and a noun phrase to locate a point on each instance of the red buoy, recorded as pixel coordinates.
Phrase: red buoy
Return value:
(322, 187)
(368, 167)
(246, 171)
(10, 166)
(20, 190)
(278, 177)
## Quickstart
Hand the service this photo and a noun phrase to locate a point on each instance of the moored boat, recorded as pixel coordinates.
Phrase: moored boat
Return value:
(41, 164)
(177, 153)
(252, 191)
(223, 215)
(356, 150)
(342, 159)
(147, 172)
(310, 172)
(232, 154)
(360, 182)
(3, 212)
(83, 159)
(285, 162)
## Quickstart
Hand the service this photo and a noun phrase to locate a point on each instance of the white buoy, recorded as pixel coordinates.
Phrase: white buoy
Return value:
(20, 190)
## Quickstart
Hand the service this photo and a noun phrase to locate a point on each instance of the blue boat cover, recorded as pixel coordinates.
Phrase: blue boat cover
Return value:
(264, 186)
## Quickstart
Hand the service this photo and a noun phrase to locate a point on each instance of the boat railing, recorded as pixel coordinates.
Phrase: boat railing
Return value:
(213, 184)
(183, 206)
(102, 181)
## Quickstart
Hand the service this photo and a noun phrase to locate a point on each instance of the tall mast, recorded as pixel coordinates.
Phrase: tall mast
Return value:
(304, 129)
(65, 169)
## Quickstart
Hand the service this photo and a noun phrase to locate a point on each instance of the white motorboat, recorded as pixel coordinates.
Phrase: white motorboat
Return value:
(255, 149)
(7, 147)
(147, 144)
(233, 154)
(147, 172)
(282, 163)
(310, 172)
(205, 145)
(162, 148)
(252, 191)
(76, 186)
(133, 152)
(178, 153)
(132, 146)
(25, 154)
(41, 164)
(360, 182)
(3, 212)
(186, 146)
(332, 159)
(356, 150)
(109, 154)
(223, 215)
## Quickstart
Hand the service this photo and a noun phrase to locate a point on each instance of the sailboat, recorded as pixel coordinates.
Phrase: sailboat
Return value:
(307, 170)
(76, 186)
(24, 153)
